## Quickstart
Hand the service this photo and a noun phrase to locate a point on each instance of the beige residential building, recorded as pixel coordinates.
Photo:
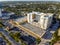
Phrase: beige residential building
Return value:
(42, 20)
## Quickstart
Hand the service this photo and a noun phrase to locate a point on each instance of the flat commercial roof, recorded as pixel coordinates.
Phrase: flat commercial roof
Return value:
(34, 29)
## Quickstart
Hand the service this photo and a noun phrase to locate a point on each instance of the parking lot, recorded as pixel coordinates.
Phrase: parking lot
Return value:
(50, 31)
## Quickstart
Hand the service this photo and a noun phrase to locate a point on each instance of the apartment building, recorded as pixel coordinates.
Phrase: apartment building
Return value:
(42, 20)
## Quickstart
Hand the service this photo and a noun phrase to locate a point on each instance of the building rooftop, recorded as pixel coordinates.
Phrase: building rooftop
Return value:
(34, 29)
(5, 12)
(42, 14)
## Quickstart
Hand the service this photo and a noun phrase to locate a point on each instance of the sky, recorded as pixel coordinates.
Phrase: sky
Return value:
(29, 0)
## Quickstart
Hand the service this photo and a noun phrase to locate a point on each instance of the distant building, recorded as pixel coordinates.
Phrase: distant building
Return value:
(42, 20)
(0, 12)
(59, 32)
(21, 19)
(5, 14)
(59, 16)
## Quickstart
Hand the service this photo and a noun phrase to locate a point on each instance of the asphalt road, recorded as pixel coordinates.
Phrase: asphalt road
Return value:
(6, 34)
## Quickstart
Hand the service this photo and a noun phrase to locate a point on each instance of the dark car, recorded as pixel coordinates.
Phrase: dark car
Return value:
(15, 28)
